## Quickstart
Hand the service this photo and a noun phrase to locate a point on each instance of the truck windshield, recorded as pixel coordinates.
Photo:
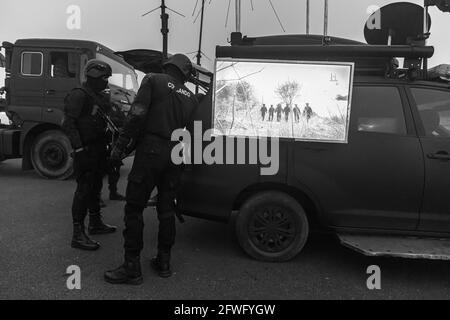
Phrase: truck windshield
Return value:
(122, 76)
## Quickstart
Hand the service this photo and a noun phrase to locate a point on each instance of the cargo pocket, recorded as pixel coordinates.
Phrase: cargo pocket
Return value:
(136, 189)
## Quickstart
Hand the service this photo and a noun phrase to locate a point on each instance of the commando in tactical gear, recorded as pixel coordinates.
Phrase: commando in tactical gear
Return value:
(162, 105)
(85, 126)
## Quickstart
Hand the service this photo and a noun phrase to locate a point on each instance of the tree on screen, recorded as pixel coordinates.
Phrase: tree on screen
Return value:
(288, 91)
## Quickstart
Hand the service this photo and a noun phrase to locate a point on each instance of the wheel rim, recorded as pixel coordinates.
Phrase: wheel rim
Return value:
(272, 229)
(53, 155)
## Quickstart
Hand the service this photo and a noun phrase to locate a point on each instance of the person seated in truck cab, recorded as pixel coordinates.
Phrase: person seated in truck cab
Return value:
(60, 66)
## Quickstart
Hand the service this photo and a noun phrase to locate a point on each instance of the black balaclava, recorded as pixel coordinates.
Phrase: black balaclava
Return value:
(97, 84)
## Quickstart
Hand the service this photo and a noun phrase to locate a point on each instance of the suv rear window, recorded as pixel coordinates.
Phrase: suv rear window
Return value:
(32, 63)
(434, 110)
(378, 109)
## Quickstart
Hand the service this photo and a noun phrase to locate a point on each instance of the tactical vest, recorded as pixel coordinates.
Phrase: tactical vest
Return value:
(91, 126)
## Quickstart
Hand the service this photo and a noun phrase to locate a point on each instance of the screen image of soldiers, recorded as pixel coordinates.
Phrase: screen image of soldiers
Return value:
(279, 110)
(308, 112)
(297, 113)
(86, 128)
(162, 105)
(271, 112)
(263, 112)
(287, 111)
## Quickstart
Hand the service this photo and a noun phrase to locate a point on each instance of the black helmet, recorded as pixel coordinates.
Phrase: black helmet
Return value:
(97, 69)
(182, 63)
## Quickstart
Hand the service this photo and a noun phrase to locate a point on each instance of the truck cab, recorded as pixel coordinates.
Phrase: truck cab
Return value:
(39, 74)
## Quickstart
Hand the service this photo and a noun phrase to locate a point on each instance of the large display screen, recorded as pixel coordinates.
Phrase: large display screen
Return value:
(308, 101)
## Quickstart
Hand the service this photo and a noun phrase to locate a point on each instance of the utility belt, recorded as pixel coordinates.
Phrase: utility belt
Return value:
(154, 137)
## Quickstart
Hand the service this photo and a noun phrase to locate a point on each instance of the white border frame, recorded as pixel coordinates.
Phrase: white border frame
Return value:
(42, 64)
(329, 63)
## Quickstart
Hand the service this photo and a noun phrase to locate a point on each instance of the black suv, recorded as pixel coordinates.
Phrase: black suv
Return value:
(392, 178)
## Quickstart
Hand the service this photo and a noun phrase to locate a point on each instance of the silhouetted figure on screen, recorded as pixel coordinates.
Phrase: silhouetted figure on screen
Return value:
(287, 110)
(271, 112)
(297, 113)
(263, 112)
(308, 112)
(279, 111)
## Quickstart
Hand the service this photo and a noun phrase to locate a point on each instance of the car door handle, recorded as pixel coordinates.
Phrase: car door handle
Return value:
(50, 92)
(441, 155)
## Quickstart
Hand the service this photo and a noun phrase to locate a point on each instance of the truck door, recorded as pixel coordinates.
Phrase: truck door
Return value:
(28, 83)
(62, 75)
(376, 180)
(433, 115)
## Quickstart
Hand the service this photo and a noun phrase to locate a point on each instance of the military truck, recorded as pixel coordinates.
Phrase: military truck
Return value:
(39, 74)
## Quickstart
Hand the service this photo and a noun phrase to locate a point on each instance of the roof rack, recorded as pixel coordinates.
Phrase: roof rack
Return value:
(377, 60)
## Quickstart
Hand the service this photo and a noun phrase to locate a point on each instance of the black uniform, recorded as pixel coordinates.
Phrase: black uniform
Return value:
(161, 106)
(87, 129)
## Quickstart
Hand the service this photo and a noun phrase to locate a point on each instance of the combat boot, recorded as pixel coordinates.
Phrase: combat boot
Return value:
(96, 225)
(115, 196)
(161, 264)
(127, 273)
(81, 241)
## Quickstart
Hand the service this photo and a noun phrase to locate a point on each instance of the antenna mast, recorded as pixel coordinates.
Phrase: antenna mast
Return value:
(307, 16)
(164, 28)
(164, 25)
(199, 53)
(325, 20)
(238, 15)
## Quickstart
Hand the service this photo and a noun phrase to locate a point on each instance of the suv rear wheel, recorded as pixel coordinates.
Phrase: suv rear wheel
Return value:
(50, 155)
(272, 226)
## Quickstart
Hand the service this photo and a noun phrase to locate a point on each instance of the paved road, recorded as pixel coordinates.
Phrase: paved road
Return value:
(35, 233)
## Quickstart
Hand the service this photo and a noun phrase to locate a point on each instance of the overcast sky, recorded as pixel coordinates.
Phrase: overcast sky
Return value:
(119, 25)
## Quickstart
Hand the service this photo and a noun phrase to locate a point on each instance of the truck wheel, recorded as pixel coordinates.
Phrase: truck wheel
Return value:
(50, 155)
(272, 226)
